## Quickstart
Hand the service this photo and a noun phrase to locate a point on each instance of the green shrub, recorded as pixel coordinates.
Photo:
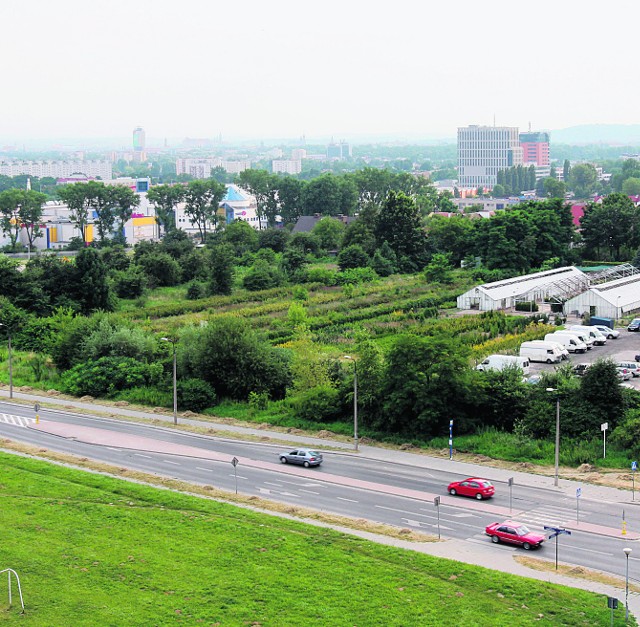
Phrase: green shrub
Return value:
(326, 276)
(353, 257)
(196, 290)
(355, 276)
(319, 404)
(195, 395)
(262, 276)
(527, 306)
(129, 283)
(160, 268)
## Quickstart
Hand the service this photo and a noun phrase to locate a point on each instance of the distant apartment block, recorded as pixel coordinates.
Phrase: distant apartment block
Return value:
(286, 166)
(341, 150)
(483, 150)
(201, 168)
(58, 169)
(139, 144)
(535, 148)
(298, 154)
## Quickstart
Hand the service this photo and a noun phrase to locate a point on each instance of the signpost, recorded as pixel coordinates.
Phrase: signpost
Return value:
(634, 467)
(510, 481)
(612, 603)
(234, 463)
(436, 502)
(450, 439)
(578, 495)
(36, 408)
(556, 532)
(603, 427)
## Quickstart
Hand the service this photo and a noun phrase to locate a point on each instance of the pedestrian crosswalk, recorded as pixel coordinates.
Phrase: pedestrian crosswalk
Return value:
(550, 515)
(18, 421)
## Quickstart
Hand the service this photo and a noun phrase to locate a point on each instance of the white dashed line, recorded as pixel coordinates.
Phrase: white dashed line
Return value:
(166, 461)
(341, 498)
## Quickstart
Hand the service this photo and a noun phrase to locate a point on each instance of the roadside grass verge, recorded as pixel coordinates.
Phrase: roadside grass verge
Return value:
(95, 550)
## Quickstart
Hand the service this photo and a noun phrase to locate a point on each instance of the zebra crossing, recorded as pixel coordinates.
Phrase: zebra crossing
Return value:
(547, 515)
(18, 421)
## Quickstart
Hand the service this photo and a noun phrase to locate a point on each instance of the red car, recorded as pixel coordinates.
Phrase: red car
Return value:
(474, 487)
(514, 533)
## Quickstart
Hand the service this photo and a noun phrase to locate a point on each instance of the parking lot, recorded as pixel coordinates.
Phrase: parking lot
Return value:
(625, 348)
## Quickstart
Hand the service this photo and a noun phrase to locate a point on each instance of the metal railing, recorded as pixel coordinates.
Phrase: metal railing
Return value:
(9, 571)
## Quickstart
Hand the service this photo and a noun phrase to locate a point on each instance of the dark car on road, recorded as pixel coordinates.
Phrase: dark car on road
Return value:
(634, 325)
(302, 456)
(514, 533)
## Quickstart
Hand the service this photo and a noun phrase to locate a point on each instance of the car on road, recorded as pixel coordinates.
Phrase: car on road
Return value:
(473, 486)
(513, 532)
(634, 325)
(632, 366)
(302, 456)
(580, 369)
(608, 332)
(624, 374)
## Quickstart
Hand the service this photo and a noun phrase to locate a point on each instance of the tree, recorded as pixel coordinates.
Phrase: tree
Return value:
(438, 269)
(352, 257)
(202, 201)
(242, 236)
(400, 225)
(21, 209)
(262, 186)
(221, 263)
(166, 198)
(261, 276)
(323, 196)
(161, 269)
(553, 188)
(498, 190)
(99, 199)
(582, 179)
(123, 200)
(93, 291)
(452, 236)
(275, 239)
(76, 199)
(566, 170)
(290, 191)
(329, 233)
(631, 187)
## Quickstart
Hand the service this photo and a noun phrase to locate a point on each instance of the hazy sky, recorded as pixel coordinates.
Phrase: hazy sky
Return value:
(279, 68)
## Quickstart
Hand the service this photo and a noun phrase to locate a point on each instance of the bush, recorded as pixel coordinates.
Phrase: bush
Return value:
(195, 395)
(262, 276)
(319, 404)
(108, 375)
(353, 257)
(129, 283)
(355, 276)
(161, 269)
(196, 290)
(527, 306)
(325, 276)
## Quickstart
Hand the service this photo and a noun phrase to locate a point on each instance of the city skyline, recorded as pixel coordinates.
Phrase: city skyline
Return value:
(418, 72)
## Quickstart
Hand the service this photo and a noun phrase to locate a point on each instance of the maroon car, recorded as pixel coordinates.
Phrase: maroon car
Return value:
(473, 487)
(514, 533)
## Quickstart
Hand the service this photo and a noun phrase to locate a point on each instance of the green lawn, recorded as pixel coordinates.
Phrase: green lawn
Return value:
(93, 550)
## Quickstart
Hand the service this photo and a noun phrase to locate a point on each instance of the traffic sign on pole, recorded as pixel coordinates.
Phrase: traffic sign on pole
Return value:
(556, 532)
(450, 439)
(436, 502)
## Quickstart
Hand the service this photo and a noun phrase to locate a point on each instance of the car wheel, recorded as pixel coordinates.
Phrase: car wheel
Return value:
(495, 539)
(452, 492)
(526, 546)
(283, 460)
(306, 464)
(479, 496)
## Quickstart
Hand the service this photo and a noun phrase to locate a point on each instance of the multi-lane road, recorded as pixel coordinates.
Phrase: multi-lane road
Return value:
(359, 486)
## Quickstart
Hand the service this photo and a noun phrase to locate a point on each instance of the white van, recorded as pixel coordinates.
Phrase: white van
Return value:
(544, 352)
(561, 347)
(583, 336)
(500, 362)
(570, 342)
(599, 339)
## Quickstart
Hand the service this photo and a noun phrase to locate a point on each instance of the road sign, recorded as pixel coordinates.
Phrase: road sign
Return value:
(235, 461)
(604, 426)
(36, 407)
(612, 603)
(634, 465)
(556, 531)
(578, 492)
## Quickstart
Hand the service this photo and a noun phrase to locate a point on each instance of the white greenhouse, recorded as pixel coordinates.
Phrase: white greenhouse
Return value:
(551, 285)
(608, 300)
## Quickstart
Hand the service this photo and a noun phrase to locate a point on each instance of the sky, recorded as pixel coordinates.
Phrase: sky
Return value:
(282, 69)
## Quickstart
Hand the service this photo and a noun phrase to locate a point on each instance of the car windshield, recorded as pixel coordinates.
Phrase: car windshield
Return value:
(522, 530)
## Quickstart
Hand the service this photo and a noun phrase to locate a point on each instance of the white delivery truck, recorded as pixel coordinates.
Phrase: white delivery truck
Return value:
(544, 352)
(561, 347)
(500, 362)
(570, 341)
(599, 338)
(584, 337)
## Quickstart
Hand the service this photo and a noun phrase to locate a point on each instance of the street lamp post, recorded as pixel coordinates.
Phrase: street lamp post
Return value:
(557, 455)
(355, 401)
(175, 379)
(626, 550)
(10, 360)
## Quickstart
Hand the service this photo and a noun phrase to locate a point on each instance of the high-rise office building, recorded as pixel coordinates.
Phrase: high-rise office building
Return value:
(139, 144)
(535, 148)
(483, 150)
(341, 150)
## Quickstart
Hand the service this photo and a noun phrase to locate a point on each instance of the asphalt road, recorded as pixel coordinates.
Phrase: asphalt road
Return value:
(398, 494)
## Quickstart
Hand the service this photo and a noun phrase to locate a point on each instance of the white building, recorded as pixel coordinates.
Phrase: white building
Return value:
(235, 167)
(483, 150)
(286, 166)
(608, 300)
(198, 168)
(58, 169)
(298, 154)
(559, 284)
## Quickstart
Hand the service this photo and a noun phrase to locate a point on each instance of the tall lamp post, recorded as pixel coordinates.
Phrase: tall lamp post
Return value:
(626, 550)
(175, 379)
(10, 360)
(557, 456)
(355, 401)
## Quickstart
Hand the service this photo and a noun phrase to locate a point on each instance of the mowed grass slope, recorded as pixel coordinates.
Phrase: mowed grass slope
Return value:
(94, 550)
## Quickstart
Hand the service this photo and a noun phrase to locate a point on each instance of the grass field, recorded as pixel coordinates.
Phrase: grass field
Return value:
(94, 550)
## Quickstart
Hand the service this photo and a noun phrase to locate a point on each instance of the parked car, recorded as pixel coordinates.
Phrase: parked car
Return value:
(608, 332)
(534, 379)
(500, 362)
(303, 456)
(623, 373)
(632, 366)
(634, 325)
(474, 487)
(580, 369)
(637, 358)
(514, 533)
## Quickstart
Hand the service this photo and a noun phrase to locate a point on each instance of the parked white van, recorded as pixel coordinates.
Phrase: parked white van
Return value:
(561, 347)
(544, 352)
(584, 337)
(599, 339)
(500, 362)
(570, 341)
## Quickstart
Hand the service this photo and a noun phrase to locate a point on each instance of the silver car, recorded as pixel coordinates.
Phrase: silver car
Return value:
(303, 456)
(631, 366)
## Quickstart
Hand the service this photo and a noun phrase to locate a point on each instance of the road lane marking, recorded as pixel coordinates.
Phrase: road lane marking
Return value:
(205, 469)
(309, 492)
(341, 498)
(238, 476)
(276, 485)
(166, 461)
(141, 455)
(594, 551)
